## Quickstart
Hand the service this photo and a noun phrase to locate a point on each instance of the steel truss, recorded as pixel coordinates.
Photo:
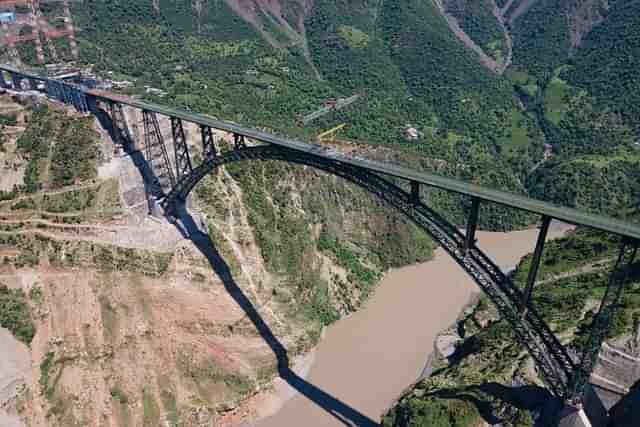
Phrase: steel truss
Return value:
(238, 141)
(120, 128)
(602, 321)
(209, 149)
(156, 151)
(16, 79)
(181, 150)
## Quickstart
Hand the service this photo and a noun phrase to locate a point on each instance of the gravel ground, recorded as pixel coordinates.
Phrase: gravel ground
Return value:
(15, 363)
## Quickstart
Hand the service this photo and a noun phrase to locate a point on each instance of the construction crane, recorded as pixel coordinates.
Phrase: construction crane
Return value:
(330, 135)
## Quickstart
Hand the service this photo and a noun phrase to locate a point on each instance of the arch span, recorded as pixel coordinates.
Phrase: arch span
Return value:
(552, 360)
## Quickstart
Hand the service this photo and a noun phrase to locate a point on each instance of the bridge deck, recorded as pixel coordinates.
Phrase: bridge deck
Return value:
(569, 215)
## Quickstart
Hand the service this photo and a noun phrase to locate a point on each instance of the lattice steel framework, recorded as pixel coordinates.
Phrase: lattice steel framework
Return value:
(239, 141)
(209, 149)
(120, 129)
(156, 151)
(181, 150)
(602, 321)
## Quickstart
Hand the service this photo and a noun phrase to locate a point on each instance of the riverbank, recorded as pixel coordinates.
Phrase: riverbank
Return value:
(367, 359)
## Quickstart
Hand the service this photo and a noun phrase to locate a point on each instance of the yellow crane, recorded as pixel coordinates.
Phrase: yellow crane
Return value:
(330, 135)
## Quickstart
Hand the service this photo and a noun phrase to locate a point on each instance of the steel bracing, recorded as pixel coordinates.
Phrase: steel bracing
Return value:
(565, 376)
(209, 148)
(602, 321)
(119, 128)
(181, 150)
(156, 151)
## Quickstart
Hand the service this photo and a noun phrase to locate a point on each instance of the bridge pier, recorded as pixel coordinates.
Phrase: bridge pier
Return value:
(535, 264)
(209, 149)
(238, 141)
(472, 225)
(590, 413)
(3, 80)
(156, 150)
(415, 192)
(16, 79)
(181, 150)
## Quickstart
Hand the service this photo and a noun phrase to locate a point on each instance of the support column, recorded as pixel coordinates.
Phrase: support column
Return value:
(120, 130)
(238, 141)
(535, 264)
(3, 81)
(156, 150)
(92, 103)
(415, 192)
(33, 84)
(181, 150)
(602, 321)
(209, 149)
(472, 225)
(15, 79)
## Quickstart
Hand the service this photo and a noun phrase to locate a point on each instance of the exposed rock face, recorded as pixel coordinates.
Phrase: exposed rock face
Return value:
(583, 15)
(289, 20)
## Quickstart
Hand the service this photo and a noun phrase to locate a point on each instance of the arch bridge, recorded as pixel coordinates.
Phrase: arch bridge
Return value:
(172, 171)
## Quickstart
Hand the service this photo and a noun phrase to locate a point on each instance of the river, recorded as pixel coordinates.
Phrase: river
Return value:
(368, 359)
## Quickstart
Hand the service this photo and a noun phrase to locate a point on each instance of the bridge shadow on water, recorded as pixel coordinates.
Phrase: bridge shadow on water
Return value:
(341, 411)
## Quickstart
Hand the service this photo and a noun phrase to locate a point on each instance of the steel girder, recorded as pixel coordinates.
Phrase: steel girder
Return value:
(156, 151)
(181, 150)
(602, 321)
(552, 360)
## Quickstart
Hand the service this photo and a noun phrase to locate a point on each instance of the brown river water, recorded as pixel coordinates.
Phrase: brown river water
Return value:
(369, 358)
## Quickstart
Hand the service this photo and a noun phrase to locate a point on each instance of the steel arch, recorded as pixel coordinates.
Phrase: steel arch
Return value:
(552, 359)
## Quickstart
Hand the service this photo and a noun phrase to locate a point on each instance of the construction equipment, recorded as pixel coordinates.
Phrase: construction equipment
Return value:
(330, 105)
(330, 135)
